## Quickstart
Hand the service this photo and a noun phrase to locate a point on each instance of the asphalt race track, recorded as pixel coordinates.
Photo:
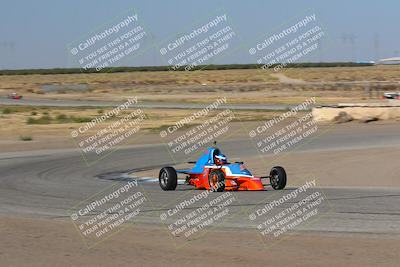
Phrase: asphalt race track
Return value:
(48, 183)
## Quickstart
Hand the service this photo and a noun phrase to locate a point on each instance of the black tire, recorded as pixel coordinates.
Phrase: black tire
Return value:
(277, 178)
(168, 178)
(216, 180)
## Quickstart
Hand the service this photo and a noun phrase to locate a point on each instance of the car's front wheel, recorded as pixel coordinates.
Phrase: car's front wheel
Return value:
(168, 178)
(216, 179)
(277, 177)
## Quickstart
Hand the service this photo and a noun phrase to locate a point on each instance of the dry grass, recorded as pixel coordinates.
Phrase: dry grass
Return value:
(16, 123)
(34, 82)
(55, 134)
(239, 86)
(345, 74)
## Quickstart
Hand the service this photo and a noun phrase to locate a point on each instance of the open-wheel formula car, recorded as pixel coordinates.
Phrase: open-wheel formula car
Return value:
(213, 172)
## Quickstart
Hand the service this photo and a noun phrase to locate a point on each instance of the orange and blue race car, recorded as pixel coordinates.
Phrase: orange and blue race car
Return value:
(213, 172)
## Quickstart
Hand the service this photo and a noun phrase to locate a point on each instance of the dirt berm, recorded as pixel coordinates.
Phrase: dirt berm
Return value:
(364, 112)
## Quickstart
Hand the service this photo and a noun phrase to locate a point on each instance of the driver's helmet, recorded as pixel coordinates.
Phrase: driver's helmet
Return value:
(220, 159)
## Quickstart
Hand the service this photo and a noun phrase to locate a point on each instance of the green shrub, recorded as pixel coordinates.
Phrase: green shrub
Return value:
(42, 120)
(62, 118)
(167, 68)
(25, 138)
(33, 113)
(7, 111)
(80, 119)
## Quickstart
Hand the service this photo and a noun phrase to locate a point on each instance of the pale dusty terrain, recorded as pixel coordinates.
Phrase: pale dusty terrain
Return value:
(45, 242)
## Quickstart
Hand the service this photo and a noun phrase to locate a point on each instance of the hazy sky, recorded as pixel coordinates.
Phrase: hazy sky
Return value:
(36, 34)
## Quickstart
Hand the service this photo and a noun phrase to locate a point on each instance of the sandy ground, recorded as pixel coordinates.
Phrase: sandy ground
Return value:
(42, 242)
(56, 134)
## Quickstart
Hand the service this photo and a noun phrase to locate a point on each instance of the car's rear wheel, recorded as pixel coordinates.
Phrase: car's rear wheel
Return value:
(168, 178)
(216, 180)
(277, 177)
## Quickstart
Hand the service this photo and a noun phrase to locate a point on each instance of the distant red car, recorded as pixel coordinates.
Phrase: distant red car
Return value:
(15, 96)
